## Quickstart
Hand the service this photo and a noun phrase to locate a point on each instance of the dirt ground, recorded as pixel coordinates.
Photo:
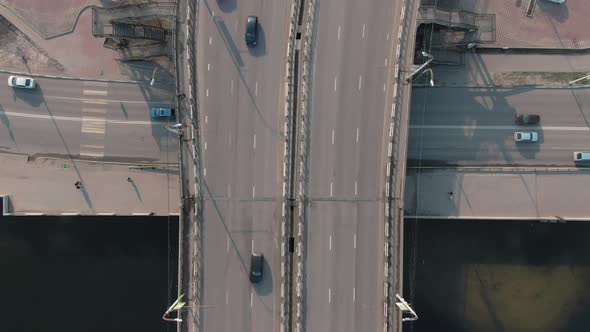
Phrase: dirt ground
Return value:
(18, 53)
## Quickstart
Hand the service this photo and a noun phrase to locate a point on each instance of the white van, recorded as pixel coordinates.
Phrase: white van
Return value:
(581, 156)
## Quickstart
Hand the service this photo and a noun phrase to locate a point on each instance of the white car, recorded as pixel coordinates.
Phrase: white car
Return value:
(526, 136)
(21, 82)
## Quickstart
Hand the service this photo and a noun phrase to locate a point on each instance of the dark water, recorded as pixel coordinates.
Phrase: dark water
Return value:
(87, 274)
(497, 276)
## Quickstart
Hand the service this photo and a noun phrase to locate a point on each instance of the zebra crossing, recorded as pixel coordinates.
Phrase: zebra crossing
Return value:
(93, 121)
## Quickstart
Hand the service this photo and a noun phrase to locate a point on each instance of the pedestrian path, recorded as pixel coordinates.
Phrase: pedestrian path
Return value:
(49, 186)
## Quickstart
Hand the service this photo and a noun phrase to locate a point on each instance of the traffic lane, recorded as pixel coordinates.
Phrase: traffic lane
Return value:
(148, 142)
(491, 106)
(368, 288)
(495, 145)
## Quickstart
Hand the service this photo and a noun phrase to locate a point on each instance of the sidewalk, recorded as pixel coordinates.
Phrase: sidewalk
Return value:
(482, 68)
(47, 186)
(494, 193)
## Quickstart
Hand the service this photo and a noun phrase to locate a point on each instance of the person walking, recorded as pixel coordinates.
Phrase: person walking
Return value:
(78, 184)
(130, 180)
(450, 194)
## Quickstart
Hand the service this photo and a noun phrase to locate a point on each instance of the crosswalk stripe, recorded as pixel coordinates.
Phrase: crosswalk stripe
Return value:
(95, 92)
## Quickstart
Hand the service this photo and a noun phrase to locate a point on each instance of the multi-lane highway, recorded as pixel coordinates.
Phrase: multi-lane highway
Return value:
(475, 126)
(86, 119)
(240, 106)
(349, 121)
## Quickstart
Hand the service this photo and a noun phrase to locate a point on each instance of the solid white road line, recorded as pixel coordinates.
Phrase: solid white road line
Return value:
(339, 32)
(105, 101)
(555, 128)
(332, 136)
(75, 119)
(95, 92)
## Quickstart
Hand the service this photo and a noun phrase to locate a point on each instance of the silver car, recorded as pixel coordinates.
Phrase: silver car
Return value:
(526, 136)
(21, 82)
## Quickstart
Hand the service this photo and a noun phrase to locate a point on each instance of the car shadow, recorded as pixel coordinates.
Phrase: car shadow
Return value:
(33, 97)
(266, 285)
(260, 48)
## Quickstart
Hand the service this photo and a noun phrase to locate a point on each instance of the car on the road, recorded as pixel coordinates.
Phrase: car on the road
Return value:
(526, 136)
(581, 156)
(161, 112)
(527, 119)
(256, 267)
(21, 82)
(252, 31)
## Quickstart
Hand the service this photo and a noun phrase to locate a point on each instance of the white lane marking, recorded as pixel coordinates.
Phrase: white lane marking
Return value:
(229, 190)
(93, 125)
(90, 83)
(353, 294)
(554, 128)
(331, 187)
(383, 87)
(363, 37)
(254, 141)
(330, 242)
(95, 92)
(94, 110)
(387, 37)
(253, 191)
(329, 295)
(92, 146)
(210, 40)
(252, 246)
(256, 89)
(360, 81)
(355, 188)
(354, 241)
(213, 13)
(385, 62)
(205, 145)
(228, 244)
(332, 136)
(92, 154)
(208, 67)
(251, 298)
(357, 135)
(231, 88)
(339, 32)
(69, 118)
(95, 101)
(105, 101)
(207, 92)
(335, 82)
(226, 297)
(230, 138)
(205, 171)
(206, 119)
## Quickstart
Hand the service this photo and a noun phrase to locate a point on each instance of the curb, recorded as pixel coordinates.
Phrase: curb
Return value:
(515, 86)
(549, 219)
(72, 78)
(505, 168)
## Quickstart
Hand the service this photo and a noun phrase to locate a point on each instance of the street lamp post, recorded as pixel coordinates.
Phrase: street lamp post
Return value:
(153, 77)
(431, 82)
(430, 58)
(405, 308)
(176, 306)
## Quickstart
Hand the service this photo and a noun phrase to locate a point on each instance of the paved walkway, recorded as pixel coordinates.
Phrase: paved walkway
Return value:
(47, 186)
(498, 193)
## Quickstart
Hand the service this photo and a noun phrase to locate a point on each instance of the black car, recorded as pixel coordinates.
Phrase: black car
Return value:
(527, 119)
(256, 264)
(252, 31)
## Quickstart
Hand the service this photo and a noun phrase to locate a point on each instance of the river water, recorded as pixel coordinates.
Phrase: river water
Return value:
(75, 274)
(497, 276)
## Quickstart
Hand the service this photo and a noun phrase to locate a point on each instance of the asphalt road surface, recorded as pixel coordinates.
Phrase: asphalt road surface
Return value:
(86, 119)
(349, 122)
(240, 105)
(475, 126)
